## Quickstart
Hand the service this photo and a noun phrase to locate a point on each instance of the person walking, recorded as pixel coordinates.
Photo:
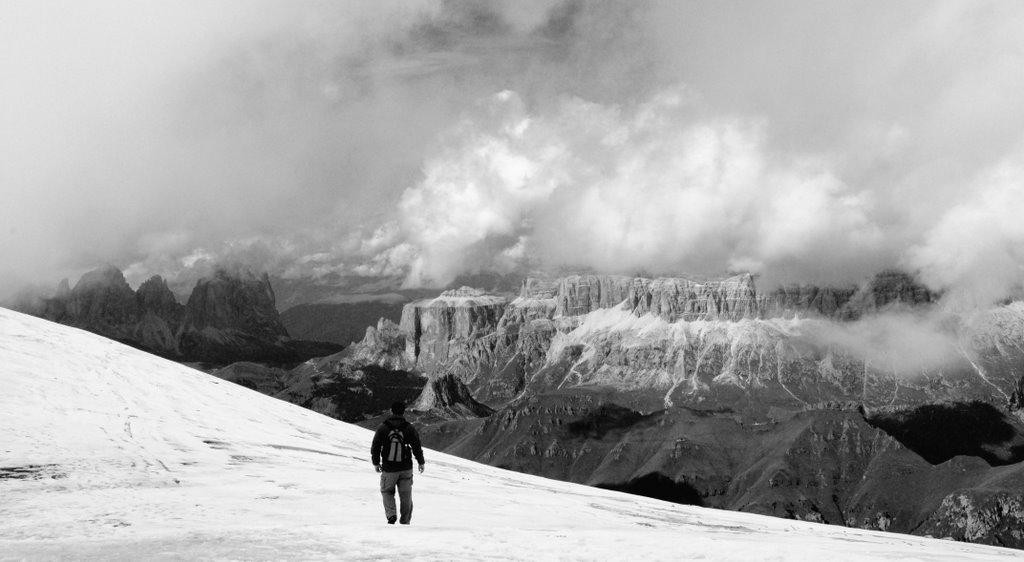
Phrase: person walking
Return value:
(394, 445)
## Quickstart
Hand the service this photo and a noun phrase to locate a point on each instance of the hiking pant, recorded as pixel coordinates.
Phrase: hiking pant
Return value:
(402, 479)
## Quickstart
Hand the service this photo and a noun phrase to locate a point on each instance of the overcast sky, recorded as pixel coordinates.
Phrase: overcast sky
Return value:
(804, 141)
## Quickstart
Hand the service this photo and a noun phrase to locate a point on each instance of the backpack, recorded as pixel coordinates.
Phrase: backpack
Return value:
(396, 450)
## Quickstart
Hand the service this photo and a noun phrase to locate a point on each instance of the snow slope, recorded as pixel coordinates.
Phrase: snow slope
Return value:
(109, 453)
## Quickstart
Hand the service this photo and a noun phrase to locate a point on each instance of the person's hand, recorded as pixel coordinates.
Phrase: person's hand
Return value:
(421, 469)
(376, 467)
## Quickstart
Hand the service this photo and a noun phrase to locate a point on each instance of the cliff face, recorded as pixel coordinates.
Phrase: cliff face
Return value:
(735, 298)
(448, 329)
(336, 387)
(668, 298)
(671, 342)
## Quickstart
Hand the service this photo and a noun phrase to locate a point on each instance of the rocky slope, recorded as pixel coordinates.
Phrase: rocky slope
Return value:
(826, 465)
(228, 317)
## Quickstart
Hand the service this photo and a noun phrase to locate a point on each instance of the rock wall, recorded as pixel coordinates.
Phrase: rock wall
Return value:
(670, 341)
(447, 329)
(731, 299)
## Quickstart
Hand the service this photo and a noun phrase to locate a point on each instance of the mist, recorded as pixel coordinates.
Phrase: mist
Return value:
(423, 140)
(905, 344)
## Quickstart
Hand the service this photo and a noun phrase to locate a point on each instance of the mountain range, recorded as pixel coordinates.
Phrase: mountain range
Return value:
(871, 406)
(229, 316)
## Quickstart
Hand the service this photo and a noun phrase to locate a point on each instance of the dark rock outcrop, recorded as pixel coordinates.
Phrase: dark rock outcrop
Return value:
(155, 297)
(446, 397)
(887, 290)
(102, 300)
(256, 376)
(1017, 399)
(336, 387)
(229, 317)
(242, 303)
(160, 315)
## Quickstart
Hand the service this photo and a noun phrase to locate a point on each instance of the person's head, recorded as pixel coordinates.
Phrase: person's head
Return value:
(398, 408)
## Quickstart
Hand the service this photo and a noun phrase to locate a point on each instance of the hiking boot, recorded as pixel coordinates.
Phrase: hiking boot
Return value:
(392, 519)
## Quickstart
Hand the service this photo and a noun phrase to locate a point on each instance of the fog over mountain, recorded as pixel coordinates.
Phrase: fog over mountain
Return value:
(423, 140)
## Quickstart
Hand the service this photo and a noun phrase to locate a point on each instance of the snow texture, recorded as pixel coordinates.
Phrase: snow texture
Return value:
(110, 453)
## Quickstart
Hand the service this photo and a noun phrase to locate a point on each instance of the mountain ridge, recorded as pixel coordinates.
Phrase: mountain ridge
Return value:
(229, 316)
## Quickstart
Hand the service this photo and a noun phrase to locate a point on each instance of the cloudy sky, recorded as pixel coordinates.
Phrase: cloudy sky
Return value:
(801, 140)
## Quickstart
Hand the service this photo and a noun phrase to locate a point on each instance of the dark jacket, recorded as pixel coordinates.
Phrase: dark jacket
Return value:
(380, 439)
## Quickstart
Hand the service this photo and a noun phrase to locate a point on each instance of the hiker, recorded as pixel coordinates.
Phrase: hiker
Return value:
(394, 440)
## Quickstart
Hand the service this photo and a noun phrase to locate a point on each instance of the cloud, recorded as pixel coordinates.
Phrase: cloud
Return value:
(905, 344)
(804, 142)
(432, 138)
(657, 186)
(976, 248)
(142, 132)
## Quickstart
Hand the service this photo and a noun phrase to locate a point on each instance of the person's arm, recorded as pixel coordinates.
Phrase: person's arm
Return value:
(378, 441)
(417, 449)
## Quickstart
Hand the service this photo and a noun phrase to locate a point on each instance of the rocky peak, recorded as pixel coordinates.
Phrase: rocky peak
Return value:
(885, 290)
(63, 289)
(235, 301)
(103, 277)
(102, 299)
(155, 296)
(447, 397)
